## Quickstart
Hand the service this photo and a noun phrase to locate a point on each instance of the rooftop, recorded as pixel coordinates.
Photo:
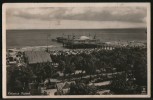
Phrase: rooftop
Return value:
(37, 57)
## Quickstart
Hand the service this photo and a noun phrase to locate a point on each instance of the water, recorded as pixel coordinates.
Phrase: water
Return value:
(22, 38)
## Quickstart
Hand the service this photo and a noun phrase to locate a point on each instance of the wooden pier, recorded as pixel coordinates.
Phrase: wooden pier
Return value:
(77, 44)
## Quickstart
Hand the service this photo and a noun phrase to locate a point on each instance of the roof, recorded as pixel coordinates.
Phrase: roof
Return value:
(51, 80)
(64, 85)
(84, 38)
(37, 57)
(60, 86)
(101, 83)
(54, 80)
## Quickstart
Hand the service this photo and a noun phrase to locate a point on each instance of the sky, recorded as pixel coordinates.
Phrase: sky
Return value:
(76, 17)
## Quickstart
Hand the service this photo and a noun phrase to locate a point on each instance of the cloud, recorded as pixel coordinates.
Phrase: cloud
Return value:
(123, 14)
(109, 14)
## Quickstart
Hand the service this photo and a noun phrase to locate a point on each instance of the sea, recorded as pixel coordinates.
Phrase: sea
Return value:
(43, 37)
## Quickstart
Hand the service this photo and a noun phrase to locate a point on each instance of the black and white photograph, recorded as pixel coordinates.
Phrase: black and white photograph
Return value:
(76, 50)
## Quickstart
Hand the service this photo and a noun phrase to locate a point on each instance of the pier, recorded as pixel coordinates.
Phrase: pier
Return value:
(83, 42)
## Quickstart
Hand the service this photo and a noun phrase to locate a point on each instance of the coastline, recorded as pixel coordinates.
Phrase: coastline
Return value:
(60, 47)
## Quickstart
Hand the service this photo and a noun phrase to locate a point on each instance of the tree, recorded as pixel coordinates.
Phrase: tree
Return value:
(81, 63)
(62, 65)
(90, 67)
(18, 77)
(140, 68)
(49, 70)
(124, 84)
(81, 89)
(69, 67)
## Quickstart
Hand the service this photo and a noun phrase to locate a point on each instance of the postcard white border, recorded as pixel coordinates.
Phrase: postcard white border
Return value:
(18, 5)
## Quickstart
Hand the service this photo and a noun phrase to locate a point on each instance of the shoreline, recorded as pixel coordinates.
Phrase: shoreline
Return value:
(60, 47)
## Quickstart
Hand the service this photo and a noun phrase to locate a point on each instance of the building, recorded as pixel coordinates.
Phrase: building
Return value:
(63, 88)
(82, 42)
(37, 57)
